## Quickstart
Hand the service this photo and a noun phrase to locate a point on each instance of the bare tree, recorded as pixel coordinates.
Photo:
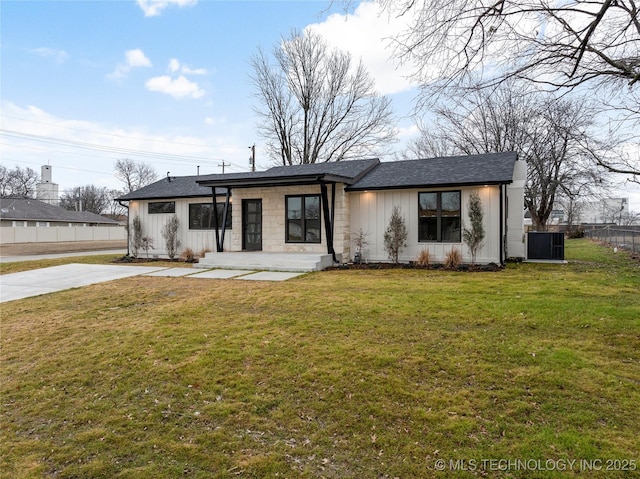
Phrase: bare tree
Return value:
(19, 182)
(560, 44)
(87, 198)
(115, 209)
(134, 174)
(315, 106)
(551, 134)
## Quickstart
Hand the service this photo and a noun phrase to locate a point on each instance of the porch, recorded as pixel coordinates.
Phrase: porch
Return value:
(259, 260)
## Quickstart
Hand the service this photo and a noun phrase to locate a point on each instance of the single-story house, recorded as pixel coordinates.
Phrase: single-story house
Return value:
(316, 209)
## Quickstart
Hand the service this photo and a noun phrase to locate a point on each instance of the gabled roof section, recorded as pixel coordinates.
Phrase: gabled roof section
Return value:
(172, 187)
(26, 209)
(466, 170)
(346, 172)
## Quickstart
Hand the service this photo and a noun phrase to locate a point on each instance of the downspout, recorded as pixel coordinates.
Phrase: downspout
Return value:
(333, 216)
(128, 224)
(502, 221)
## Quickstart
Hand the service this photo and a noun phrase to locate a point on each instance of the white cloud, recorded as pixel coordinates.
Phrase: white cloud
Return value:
(178, 88)
(137, 58)
(133, 59)
(74, 165)
(153, 8)
(175, 66)
(365, 34)
(59, 56)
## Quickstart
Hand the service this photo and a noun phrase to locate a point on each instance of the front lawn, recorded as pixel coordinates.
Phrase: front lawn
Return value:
(341, 374)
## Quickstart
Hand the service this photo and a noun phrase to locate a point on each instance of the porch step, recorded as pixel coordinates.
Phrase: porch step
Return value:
(266, 261)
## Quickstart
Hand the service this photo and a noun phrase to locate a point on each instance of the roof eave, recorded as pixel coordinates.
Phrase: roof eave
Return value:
(308, 179)
(432, 185)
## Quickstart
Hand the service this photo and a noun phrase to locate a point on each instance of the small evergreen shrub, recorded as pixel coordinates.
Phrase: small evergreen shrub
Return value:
(395, 236)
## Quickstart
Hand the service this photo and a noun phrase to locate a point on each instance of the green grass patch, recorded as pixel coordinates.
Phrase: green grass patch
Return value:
(355, 373)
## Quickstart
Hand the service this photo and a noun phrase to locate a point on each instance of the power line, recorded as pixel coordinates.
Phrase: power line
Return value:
(103, 148)
(154, 140)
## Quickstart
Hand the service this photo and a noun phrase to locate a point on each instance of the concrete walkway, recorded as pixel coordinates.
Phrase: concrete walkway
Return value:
(26, 284)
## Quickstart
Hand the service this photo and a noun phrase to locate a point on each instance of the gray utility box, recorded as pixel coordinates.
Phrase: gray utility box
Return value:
(546, 246)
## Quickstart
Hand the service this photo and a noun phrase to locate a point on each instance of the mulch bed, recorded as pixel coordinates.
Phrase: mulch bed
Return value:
(491, 267)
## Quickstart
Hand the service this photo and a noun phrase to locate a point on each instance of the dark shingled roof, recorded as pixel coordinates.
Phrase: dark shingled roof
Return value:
(25, 209)
(369, 174)
(178, 187)
(342, 171)
(486, 169)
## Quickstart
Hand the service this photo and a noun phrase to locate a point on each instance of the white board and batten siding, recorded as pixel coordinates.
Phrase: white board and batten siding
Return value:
(371, 211)
(152, 224)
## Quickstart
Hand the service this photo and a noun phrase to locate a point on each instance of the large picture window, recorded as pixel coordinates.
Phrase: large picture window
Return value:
(439, 217)
(201, 216)
(158, 207)
(303, 219)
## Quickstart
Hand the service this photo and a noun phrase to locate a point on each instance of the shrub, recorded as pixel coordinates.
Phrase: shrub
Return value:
(576, 233)
(170, 235)
(395, 236)
(423, 260)
(188, 255)
(203, 252)
(453, 259)
(474, 235)
(136, 236)
(147, 244)
(360, 240)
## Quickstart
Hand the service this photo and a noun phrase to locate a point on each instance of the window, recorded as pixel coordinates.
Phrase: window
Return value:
(201, 217)
(439, 216)
(303, 219)
(162, 207)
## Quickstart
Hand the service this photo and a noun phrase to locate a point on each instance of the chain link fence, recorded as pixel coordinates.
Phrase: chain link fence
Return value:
(624, 238)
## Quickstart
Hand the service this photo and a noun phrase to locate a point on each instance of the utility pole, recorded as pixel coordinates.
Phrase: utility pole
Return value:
(223, 165)
(252, 158)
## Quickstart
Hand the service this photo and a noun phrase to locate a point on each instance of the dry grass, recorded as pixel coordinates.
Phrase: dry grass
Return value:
(334, 374)
(453, 259)
(423, 260)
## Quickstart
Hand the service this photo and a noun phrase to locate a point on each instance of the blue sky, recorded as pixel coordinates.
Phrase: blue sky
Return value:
(166, 77)
(84, 83)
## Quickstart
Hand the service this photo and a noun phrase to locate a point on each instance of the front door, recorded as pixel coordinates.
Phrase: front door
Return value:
(252, 225)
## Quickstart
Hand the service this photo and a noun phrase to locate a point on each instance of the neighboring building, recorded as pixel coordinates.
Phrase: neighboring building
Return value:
(605, 211)
(315, 208)
(30, 212)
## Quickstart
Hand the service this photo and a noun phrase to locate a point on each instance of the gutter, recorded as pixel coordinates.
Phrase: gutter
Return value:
(503, 220)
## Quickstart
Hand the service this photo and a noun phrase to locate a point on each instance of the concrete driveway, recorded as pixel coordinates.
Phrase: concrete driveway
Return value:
(59, 278)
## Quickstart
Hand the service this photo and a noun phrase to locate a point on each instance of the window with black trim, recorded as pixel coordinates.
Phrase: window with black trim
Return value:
(439, 216)
(303, 219)
(158, 207)
(201, 216)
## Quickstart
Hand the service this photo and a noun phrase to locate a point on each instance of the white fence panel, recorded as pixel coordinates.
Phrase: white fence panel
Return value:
(57, 234)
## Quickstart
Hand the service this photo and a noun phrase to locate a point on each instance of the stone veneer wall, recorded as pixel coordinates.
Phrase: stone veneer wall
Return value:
(273, 219)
